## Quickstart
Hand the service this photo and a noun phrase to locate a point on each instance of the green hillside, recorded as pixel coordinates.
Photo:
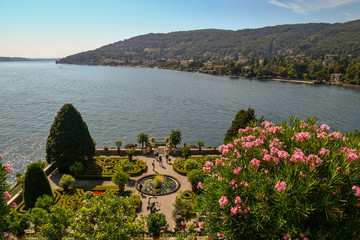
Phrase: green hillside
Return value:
(310, 39)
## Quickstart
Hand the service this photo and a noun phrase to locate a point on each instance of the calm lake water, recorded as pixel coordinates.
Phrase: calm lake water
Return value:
(121, 103)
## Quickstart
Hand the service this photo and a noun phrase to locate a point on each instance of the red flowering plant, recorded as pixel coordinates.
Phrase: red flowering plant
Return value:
(294, 180)
(5, 210)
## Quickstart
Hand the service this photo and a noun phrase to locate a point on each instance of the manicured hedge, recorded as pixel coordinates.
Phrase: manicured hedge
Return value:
(36, 184)
(101, 170)
(74, 197)
(187, 195)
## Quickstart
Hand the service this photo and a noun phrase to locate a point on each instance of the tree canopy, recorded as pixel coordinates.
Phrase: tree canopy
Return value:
(69, 139)
(36, 184)
(242, 119)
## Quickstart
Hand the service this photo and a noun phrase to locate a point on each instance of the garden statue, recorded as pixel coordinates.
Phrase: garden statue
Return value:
(152, 206)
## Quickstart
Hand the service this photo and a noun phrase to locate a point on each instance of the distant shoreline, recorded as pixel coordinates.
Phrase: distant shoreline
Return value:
(231, 76)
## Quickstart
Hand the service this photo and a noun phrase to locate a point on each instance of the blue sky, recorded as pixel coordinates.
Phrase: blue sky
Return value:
(39, 28)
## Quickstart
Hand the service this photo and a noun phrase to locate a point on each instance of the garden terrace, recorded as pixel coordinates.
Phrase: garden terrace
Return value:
(101, 169)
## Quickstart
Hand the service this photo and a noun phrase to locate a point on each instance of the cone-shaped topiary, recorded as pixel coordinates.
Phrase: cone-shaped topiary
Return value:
(69, 139)
(36, 184)
(242, 119)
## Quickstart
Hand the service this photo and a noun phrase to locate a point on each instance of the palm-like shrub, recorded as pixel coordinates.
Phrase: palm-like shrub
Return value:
(118, 145)
(158, 179)
(186, 152)
(286, 181)
(200, 144)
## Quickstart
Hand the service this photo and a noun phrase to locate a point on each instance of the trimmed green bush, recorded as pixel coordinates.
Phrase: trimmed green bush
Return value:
(44, 202)
(120, 178)
(154, 222)
(195, 176)
(191, 164)
(66, 180)
(36, 185)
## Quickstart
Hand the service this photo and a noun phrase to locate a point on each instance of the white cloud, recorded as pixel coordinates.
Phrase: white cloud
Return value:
(305, 6)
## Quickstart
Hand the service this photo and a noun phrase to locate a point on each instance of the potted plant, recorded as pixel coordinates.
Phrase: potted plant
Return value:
(152, 139)
(194, 177)
(130, 152)
(118, 145)
(155, 221)
(106, 149)
(121, 178)
(167, 138)
(186, 152)
(65, 181)
(200, 144)
(76, 168)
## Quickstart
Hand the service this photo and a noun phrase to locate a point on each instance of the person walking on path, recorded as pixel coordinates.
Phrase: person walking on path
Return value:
(160, 162)
(153, 165)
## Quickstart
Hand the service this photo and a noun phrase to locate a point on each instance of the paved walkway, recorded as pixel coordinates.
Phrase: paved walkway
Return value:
(166, 202)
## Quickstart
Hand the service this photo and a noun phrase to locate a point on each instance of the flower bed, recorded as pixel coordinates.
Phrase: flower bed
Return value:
(187, 195)
(102, 170)
(291, 181)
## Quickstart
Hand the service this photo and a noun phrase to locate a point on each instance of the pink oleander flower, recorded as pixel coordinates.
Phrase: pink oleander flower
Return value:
(8, 168)
(304, 125)
(357, 189)
(301, 136)
(325, 127)
(321, 135)
(209, 164)
(255, 162)
(237, 170)
(267, 158)
(283, 154)
(223, 201)
(217, 162)
(334, 135)
(324, 152)
(237, 200)
(298, 156)
(7, 196)
(234, 210)
(287, 236)
(200, 186)
(206, 169)
(201, 224)
(1, 157)
(13, 205)
(280, 186)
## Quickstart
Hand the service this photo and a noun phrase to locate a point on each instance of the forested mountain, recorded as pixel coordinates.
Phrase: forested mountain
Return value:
(316, 39)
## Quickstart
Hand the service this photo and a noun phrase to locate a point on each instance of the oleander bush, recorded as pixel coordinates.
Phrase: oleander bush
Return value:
(294, 180)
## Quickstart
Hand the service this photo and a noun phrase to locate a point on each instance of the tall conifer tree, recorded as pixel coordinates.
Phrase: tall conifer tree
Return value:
(242, 119)
(69, 139)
